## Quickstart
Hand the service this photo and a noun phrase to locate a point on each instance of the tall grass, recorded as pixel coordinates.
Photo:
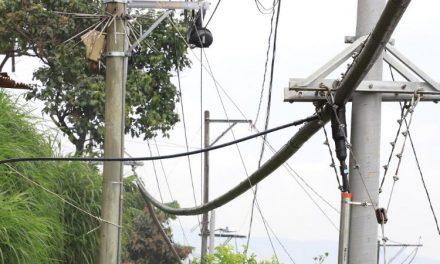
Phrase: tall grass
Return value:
(36, 226)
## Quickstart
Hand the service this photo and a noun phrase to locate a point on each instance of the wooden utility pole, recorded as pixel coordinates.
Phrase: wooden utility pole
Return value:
(115, 79)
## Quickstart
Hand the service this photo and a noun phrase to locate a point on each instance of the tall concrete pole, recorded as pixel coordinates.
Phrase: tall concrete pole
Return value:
(365, 138)
(205, 220)
(113, 135)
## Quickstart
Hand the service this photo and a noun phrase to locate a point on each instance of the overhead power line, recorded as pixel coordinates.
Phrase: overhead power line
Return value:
(363, 62)
(299, 122)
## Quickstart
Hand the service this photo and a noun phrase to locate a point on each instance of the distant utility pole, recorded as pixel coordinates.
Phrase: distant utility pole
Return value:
(116, 69)
(205, 232)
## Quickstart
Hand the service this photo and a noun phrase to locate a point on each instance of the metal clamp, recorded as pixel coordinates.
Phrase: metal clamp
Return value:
(116, 54)
(116, 1)
(364, 204)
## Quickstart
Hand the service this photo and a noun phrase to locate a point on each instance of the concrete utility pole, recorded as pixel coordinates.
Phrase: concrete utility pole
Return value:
(205, 222)
(365, 138)
(116, 67)
(205, 232)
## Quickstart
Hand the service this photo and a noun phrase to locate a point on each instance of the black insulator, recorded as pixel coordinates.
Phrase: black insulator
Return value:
(339, 132)
(381, 216)
(344, 175)
(200, 37)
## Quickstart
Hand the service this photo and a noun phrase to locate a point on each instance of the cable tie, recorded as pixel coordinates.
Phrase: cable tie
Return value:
(395, 178)
(392, 144)
(405, 133)
(326, 142)
(385, 167)
(399, 155)
(399, 121)
(356, 166)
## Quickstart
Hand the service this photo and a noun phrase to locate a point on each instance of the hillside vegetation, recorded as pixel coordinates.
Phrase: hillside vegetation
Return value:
(38, 223)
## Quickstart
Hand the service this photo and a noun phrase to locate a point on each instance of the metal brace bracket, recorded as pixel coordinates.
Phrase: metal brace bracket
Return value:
(391, 91)
(364, 204)
(116, 54)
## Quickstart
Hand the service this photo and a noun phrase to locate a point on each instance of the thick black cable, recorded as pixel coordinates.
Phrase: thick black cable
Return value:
(171, 156)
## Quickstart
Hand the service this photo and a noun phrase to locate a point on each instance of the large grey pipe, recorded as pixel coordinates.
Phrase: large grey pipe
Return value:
(373, 47)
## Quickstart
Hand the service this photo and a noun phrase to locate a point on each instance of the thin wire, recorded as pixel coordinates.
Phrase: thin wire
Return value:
(244, 166)
(202, 183)
(233, 134)
(217, 84)
(266, 63)
(265, 10)
(295, 175)
(333, 164)
(242, 160)
(213, 13)
(412, 254)
(423, 180)
(61, 198)
(207, 70)
(413, 104)
(79, 15)
(393, 146)
(269, 102)
(155, 173)
(186, 134)
(170, 193)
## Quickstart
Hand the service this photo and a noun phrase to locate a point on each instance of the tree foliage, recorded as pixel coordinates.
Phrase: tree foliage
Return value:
(72, 91)
(225, 254)
(143, 242)
(42, 227)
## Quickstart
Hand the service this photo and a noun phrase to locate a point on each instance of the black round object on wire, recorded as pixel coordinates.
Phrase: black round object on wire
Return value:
(200, 37)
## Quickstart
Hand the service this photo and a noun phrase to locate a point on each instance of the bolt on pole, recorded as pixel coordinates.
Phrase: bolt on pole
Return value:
(115, 79)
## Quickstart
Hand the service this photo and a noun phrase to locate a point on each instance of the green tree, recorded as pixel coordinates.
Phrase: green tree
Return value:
(143, 242)
(72, 91)
(225, 254)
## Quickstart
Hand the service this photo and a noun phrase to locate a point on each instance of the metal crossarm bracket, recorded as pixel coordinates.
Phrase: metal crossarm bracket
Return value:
(168, 4)
(314, 87)
(391, 91)
(330, 66)
(413, 67)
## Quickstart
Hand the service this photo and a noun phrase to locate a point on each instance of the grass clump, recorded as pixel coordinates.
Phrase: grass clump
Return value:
(36, 226)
